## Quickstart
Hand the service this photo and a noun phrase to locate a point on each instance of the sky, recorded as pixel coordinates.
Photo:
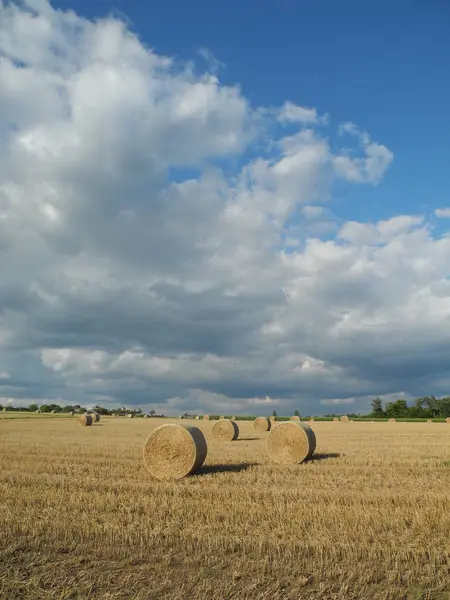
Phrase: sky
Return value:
(224, 207)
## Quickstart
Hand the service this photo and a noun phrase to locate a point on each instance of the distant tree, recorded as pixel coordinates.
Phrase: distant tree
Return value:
(377, 407)
(274, 413)
(33, 407)
(397, 409)
(296, 413)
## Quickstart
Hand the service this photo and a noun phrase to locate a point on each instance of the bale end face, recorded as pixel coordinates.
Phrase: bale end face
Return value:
(225, 430)
(291, 443)
(85, 420)
(262, 424)
(295, 418)
(174, 451)
(345, 419)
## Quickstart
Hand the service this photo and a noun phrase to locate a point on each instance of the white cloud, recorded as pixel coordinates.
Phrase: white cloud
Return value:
(154, 254)
(292, 113)
(442, 213)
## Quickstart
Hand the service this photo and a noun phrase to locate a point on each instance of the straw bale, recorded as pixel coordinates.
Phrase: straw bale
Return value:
(225, 430)
(262, 424)
(85, 420)
(291, 443)
(174, 451)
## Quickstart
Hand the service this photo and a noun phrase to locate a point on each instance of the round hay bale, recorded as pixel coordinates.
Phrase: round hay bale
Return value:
(262, 424)
(429, 420)
(447, 420)
(311, 420)
(291, 443)
(225, 430)
(335, 419)
(233, 418)
(345, 419)
(85, 420)
(272, 419)
(145, 416)
(131, 416)
(206, 417)
(295, 418)
(72, 413)
(173, 451)
(391, 420)
(221, 417)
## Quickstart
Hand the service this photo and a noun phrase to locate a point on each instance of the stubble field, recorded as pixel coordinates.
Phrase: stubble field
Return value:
(368, 518)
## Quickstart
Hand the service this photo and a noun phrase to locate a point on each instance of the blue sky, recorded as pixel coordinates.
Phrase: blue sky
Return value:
(260, 222)
(383, 65)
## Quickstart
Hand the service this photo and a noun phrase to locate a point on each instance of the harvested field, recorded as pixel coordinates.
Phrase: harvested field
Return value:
(367, 518)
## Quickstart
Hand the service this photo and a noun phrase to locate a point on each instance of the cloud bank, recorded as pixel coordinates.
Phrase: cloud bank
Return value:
(166, 244)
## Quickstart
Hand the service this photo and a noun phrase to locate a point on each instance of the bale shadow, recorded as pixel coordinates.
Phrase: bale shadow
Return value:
(325, 455)
(237, 468)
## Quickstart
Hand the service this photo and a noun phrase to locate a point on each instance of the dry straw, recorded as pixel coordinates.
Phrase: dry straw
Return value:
(295, 418)
(291, 443)
(221, 417)
(391, 420)
(311, 420)
(225, 430)
(131, 416)
(85, 420)
(335, 419)
(272, 419)
(429, 420)
(173, 451)
(262, 424)
(447, 420)
(345, 419)
(95, 417)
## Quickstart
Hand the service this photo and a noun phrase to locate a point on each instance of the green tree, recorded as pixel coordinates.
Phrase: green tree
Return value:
(377, 407)
(274, 413)
(296, 413)
(397, 409)
(33, 407)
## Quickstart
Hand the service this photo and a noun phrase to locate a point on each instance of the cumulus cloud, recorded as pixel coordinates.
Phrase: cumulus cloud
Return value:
(157, 253)
(442, 213)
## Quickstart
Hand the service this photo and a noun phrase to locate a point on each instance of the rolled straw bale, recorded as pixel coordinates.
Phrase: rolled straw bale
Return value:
(345, 419)
(221, 417)
(95, 417)
(447, 420)
(145, 416)
(225, 430)
(391, 420)
(131, 416)
(72, 413)
(206, 417)
(295, 418)
(85, 420)
(262, 424)
(335, 419)
(272, 419)
(173, 451)
(311, 420)
(291, 443)
(429, 420)
(233, 418)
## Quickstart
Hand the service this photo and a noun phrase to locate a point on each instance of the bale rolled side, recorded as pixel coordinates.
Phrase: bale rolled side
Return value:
(174, 451)
(345, 419)
(262, 424)
(225, 430)
(95, 417)
(85, 420)
(221, 417)
(391, 420)
(291, 443)
(295, 418)
(335, 419)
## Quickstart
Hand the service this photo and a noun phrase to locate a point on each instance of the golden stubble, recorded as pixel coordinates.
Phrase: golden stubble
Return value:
(368, 518)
